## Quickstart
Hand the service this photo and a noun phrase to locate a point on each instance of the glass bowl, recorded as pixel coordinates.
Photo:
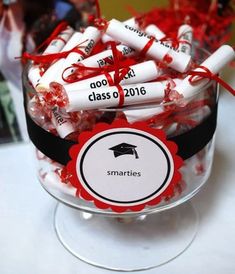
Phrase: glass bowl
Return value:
(101, 235)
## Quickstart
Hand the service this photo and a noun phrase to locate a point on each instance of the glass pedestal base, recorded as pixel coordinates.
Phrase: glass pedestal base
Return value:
(126, 243)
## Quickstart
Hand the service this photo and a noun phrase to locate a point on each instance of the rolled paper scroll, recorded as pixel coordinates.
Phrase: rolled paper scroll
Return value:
(190, 86)
(130, 22)
(55, 46)
(114, 96)
(155, 49)
(185, 37)
(100, 59)
(50, 73)
(62, 125)
(89, 39)
(134, 75)
(58, 43)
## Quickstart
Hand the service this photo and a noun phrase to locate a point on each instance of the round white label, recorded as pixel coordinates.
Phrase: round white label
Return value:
(124, 166)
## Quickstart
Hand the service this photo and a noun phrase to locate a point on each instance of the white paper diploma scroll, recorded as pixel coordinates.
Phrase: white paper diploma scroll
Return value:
(220, 58)
(99, 59)
(89, 39)
(138, 40)
(55, 46)
(34, 75)
(110, 97)
(185, 37)
(62, 125)
(139, 73)
(130, 22)
(59, 42)
(50, 73)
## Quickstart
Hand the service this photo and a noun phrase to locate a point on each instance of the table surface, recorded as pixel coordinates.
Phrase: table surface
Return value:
(28, 243)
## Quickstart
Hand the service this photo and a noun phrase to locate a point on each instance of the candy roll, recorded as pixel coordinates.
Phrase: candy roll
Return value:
(152, 30)
(138, 40)
(130, 22)
(50, 73)
(113, 96)
(59, 42)
(185, 37)
(62, 125)
(89, 39)
(34, 75)
(134, 75)
(98, 60)
(55, 46)
(220, 58)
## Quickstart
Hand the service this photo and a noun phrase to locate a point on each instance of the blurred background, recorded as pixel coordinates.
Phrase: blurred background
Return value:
(25, 24)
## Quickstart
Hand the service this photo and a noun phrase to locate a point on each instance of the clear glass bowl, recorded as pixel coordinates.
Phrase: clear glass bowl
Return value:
(74, 227)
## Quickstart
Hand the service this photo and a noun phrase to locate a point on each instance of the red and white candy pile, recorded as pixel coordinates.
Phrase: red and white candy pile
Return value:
(134, 71)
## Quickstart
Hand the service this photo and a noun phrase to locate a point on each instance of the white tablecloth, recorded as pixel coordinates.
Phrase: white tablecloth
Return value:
(28, 244)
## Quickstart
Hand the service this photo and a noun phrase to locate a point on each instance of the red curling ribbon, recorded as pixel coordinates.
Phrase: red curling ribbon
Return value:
(95, 71)
(121, 95)
(119, 72)
(80, 68)
(197, 76)
(167, 59)
(100, 23)
(49, 58)
(98, 10)
(61, 39)
(109, 79)
(147, 47)
(118, 75)
(132, 11)
(171, 39)
(62, 26)
(116, 65)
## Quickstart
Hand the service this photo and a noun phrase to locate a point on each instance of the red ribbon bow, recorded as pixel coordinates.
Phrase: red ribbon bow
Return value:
(197, 76)
(118, 65)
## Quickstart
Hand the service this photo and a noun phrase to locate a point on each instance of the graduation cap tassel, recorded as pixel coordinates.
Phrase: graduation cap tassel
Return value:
(136, 154)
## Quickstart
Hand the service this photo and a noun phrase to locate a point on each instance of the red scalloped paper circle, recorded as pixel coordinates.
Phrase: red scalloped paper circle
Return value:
(122, 125)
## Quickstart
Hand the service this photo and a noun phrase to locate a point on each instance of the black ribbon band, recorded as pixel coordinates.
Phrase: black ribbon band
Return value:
(188, 143)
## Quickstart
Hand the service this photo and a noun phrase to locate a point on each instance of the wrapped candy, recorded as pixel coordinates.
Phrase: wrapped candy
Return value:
(133, 74)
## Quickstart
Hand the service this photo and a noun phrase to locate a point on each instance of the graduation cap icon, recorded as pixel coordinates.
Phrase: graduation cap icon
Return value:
(123, 149)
